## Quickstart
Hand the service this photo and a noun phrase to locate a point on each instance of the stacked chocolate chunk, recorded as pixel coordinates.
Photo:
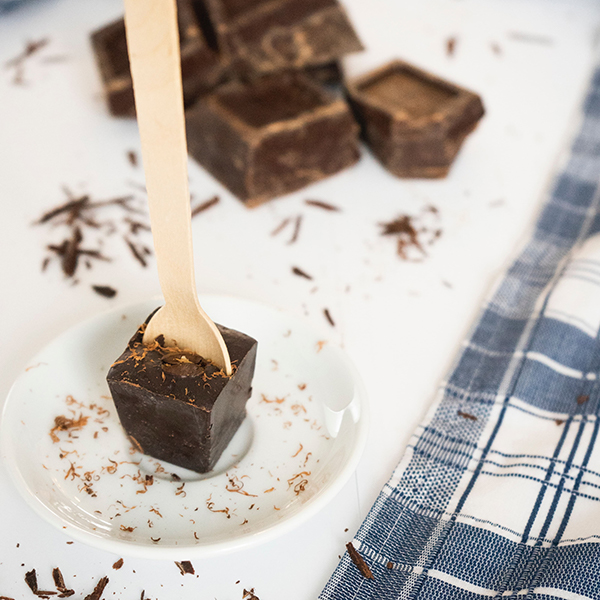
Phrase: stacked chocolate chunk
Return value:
(261, 116)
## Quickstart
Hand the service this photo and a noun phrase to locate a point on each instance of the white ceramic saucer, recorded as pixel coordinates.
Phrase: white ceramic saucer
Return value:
(301, 441)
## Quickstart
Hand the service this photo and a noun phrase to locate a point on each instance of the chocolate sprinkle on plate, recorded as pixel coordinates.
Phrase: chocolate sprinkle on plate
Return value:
(323, 205)
(105, 290)
(117, 565)
(186, 567)
(301, 273)
(98, 590)
(205, 205)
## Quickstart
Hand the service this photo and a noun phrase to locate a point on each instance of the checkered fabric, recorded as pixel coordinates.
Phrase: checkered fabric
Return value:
(498, 493)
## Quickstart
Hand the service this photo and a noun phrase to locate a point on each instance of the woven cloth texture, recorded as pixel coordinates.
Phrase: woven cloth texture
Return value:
(498, 492)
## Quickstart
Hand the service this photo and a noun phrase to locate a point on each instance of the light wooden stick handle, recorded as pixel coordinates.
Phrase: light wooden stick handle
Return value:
(153, 43)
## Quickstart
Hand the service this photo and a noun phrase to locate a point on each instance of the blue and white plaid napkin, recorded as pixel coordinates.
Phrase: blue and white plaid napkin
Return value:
(498, 493)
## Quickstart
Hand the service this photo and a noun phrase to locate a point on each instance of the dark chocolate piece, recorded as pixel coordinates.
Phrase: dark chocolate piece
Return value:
(178, 407)
(272, 135)
(201, 69)
(263, 36)
(413, 121)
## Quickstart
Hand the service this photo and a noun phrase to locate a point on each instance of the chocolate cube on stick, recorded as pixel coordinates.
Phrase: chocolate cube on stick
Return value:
(201, 69)
(272, 135)
(178, 407)
(414, 122)
(262, 36)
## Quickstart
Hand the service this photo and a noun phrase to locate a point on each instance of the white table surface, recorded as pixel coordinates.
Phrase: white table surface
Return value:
(401, 322)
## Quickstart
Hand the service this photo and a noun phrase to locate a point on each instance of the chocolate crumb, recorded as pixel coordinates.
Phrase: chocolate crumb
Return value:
(390, 565)
(132, 158)
(205, 205)
(582, 399)
(185, 567)
(127, 529)
(465, 415)
(559, 421)
(105, 290)
(118, 564)
(6, 598)
(450, 46)
(328, 317)
(323, 205)
(98, 590)
(301, 273)
(297, 224)
(250, 595)
(358, 560)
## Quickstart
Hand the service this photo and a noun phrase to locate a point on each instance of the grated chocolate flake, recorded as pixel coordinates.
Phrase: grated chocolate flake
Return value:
(98, 590)
(466, 415)
(323, 205)
(118, 564)
(105, 290)
(328, 317)
(358, 560)
(185, 567)
(205, 205)
(300, 273)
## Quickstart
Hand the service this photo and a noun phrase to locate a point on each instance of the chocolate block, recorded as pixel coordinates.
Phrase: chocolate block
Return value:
(176, 406)
(271, 35)
(413, 121)
(271, 136)
(201, 69)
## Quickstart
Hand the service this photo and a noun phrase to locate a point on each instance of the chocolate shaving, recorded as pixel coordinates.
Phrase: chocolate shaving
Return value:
(297, 224)
(59, 583)
(132, 158)
(465, 415)
(105, 290)
(250, 595)
(358, 560)
(280, 227)
(323, 205)
(411, 234)
(98, 590)
(328, 317)
(205, 205)
(559, 421)
(186, 567)
(127, 529)
(582, 399)
(18, 62)
(450, 46)
(79, 216)
(31, 580)
(117, 565)
(139, 256)
(62, 423)
(301, 273)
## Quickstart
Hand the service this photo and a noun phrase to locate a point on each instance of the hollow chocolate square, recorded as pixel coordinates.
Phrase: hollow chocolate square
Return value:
(178, 407)
(263, 36)
(201, 69)
(272, 135)
(413, 121)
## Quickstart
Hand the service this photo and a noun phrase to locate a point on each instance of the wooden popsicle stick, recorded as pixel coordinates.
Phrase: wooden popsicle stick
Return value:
(153, 42)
